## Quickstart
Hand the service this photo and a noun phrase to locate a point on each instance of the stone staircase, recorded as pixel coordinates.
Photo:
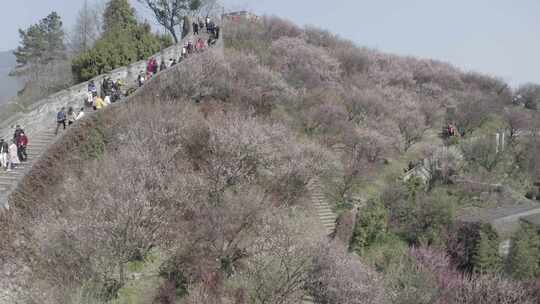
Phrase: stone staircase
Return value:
(38, 143)
(324, 211)
(326, 216)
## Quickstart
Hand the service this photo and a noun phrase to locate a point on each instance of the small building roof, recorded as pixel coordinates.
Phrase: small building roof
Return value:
(533, 219)
(505, 219)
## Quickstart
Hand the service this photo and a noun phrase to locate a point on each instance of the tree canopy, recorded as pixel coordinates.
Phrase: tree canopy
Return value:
(118, 13)
(123, 42)
(42, 42)
(171, 13)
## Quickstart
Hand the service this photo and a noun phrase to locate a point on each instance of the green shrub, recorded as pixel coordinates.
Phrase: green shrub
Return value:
(171, 272)
(524, 256)
(93, 147)
(371, 226)
(120, 47)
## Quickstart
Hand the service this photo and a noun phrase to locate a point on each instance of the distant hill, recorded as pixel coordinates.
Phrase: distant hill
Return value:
(8, 85)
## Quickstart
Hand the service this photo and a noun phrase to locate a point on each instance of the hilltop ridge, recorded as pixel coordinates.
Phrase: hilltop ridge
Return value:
(211, 183)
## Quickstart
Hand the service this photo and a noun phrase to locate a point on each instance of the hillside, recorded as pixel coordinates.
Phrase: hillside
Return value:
(8, 85)
(211, 184)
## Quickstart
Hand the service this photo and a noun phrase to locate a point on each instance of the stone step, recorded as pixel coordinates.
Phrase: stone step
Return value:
(328, 220)
(11, 173)
(19, 172)
(9, 182)
(4, 189)
(323, 207)
(40, 140)
(41, 135)
(326, 214)
(329, 224)
(37, 147)
(34, 154)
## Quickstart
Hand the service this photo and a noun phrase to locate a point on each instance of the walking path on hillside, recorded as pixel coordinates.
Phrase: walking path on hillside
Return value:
(9, 179)
(324, 211)
(41, 140)
(326, 216)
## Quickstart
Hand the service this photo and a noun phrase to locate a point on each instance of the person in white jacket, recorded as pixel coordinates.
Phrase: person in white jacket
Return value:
(4, 152)
(80, 115)
(13, 156)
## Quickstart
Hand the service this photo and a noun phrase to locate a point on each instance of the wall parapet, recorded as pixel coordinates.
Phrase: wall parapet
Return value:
(42, 113)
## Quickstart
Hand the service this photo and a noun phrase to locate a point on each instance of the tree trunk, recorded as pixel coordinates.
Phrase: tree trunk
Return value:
(173, 34)
(186, 28)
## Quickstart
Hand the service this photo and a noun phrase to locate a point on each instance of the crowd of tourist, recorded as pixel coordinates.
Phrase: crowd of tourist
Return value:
(111, 92)
(190, 47)
(12, 153)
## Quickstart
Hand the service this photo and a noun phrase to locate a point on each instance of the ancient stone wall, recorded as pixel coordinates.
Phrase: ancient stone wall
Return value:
(43, 113)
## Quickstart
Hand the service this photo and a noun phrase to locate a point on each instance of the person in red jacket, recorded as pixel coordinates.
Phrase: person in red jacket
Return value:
(22, 142)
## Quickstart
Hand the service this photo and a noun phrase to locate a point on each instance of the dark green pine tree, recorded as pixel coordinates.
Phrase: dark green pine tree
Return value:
(41, 43)
(32, 45)
(524, 256)
(118, 14)
(486, 258)
(54, 37)
(124, 41)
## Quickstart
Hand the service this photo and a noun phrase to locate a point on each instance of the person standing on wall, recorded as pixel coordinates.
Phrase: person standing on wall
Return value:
(80, 115)
(201, 24)
(13, 156)
(60, 120)
(99, 103)
(195, 28)
(199, 46)
(216, 32)
(18, 131)
(92, 87)
(22, 143)
(4, 152)
(141, 79)
(71, 116)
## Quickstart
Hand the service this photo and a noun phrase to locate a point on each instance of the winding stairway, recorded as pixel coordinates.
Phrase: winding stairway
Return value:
(38, 143)
(324, 212)
(327, 217)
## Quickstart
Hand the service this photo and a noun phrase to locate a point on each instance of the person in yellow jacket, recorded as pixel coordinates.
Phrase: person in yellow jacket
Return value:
(99, 103)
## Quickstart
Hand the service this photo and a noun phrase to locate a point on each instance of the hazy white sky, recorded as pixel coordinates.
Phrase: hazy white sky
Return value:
(498, 37)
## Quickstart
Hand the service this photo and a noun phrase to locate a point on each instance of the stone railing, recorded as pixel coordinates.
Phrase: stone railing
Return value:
(43, 113)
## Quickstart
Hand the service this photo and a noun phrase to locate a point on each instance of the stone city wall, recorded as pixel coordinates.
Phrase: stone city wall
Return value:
(43, 113)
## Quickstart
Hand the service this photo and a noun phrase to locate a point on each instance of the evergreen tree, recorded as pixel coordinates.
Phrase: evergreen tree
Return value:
(486, 258)
(54, 37)
(124, 41)
(32, 45)
(118, 14)
(371, 226)
(524, 257)
(42, 43)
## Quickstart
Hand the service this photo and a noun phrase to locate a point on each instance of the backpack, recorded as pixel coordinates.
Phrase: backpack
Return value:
(61, 116)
